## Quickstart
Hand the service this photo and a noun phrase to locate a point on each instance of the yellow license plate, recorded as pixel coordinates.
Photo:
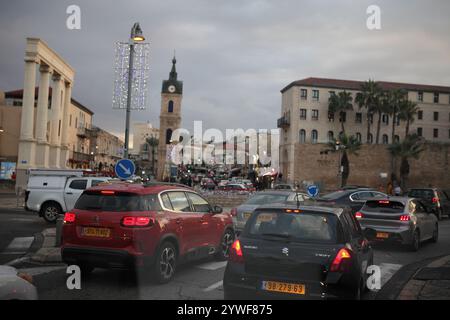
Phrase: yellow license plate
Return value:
(96, 232)
(247, 215)
(382, 235)
(293, 288)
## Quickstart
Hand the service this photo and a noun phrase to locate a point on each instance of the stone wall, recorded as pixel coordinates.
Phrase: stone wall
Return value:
(432, 167)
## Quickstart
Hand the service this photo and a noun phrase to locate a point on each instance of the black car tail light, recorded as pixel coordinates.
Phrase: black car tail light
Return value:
(236, 254)
(342, 261)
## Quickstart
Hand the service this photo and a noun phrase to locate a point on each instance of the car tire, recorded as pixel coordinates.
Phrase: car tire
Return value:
(357, 294)
(85, 269)
(439, 214)
(415, 243)
(226, 241)
(165, 263)
(435, 237)
(51, 211)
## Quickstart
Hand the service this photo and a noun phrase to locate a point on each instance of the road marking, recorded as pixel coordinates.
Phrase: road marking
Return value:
(214, 286)
(387, 271)
(41, 270)
(212, 265)
(19, 245)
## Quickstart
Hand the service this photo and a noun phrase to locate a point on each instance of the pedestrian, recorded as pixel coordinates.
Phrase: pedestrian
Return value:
(389, 189)
(398, 190)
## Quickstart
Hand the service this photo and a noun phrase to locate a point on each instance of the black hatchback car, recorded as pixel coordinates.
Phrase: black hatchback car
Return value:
(305, 252)
(437, 200)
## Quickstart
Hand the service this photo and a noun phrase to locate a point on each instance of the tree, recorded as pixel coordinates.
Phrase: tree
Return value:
(408, 111)
(369, 98)
(410, 147)
(347, 145)
(339, 104)
(396, 99)
(153, 143)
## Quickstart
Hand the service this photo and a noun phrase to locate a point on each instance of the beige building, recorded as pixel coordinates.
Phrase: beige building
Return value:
(305, 119)
(105, 150)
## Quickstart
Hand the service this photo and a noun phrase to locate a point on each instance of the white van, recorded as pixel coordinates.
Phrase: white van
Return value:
(51, 192)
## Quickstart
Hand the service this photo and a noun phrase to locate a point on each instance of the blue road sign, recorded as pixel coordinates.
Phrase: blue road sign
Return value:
(124, 168)
(312, 190)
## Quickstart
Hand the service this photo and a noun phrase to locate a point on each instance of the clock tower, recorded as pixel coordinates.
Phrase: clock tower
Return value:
(169, 118)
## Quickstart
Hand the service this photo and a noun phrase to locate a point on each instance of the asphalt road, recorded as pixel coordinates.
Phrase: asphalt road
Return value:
(200, 280)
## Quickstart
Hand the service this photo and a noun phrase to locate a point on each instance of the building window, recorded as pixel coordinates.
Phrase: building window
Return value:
(302, 136)
(315, 114)
(70, 120)
(59, 128)
(314, 136)
(342, 116)
(170, 107)
(358, 136)
(385, 139)
(330, 116)
(370, 117)
(302, 114)
(436, 97)
(315, 95)
(330, 136)
(420, 96)
(358, 117)
(168, 136)
(420, 115)
(76, 122)
(396, 139)
(370, 138)
(385, 119)
(331, 93)
(419, 132)
(435, 133)
(436, 116)
(303, 94)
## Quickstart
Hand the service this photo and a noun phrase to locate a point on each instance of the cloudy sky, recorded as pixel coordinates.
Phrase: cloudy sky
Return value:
(234, 56)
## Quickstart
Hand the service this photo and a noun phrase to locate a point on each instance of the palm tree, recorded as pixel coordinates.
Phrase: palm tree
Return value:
(153, 143)
(340, 103)
(369, 98)
(409, 148)
(408, 111)
(396, 99)
(347, 145)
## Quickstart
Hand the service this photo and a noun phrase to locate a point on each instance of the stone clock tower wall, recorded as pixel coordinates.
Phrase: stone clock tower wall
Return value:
(169, 118)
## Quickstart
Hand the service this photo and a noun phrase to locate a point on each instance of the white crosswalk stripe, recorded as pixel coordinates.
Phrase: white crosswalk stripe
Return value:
(212, 265)
(19, 245)
(387, 271)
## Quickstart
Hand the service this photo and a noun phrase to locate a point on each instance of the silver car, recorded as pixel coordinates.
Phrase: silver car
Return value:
(243, 212)
(15, 285)
(399, 219)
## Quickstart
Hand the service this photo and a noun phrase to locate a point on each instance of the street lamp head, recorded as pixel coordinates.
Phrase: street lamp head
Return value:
(136, 33)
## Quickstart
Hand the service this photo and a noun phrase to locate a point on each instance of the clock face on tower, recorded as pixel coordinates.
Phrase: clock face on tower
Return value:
(171, 88)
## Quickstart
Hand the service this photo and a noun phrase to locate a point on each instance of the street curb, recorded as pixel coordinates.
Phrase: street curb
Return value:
(392, 289)
(48, 253)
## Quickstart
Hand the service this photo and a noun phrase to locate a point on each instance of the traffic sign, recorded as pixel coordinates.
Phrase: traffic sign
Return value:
(312, 190)
(124, 168)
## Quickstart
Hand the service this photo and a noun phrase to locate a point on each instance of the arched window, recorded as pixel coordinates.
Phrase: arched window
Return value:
(370, 138)
(330, 136)
(302, 136)
(314, 136)
(168, 135)
(170, 107)
(385, 139)
(358, 136)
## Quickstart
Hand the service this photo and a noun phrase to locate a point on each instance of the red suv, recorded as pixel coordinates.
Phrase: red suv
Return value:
(155, 227)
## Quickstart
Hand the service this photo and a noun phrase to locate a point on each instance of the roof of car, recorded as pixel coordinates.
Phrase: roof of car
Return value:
(139, 188)
(403, 200)
(308, 206)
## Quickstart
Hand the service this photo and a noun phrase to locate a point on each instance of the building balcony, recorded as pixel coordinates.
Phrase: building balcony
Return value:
(84, 131)
(81, 157)
(283, 122)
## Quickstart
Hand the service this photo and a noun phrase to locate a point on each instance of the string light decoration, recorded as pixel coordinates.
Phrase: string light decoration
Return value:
(141, 70)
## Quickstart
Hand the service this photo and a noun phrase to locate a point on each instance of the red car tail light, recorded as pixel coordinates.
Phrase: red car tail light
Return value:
(107, 192)
(359, 215)
(435, 200)
(236, 254)
(137, 222)
(341, 262)
(404, 218)
(233, 212)
(69, 217)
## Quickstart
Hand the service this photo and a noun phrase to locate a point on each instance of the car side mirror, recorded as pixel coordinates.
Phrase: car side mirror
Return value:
(370, 234)
(217, 209)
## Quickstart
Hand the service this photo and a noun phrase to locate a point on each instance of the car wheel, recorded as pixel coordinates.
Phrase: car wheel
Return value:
(415, 244)
(359, 290)
(165, 263)
(435, 237)
(225, 245)
(85, 269)
(439, 214)
(51, 212)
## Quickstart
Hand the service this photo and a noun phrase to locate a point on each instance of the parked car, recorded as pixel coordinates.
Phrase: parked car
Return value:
(237, 188)
(399, 220)
(153, 228)
(50, 193)
(354, 198)
(435, 199)
(284, 186)
(15, 285)
(305, 252)
(241, 213)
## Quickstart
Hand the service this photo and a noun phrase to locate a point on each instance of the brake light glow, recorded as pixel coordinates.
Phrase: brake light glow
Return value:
(236, 254)
(107, 192)
(435, 200)
(233, 212)
(384, 201)
(293, 211)
(137, 221)
(69, 217)
(404, 218)
(358, 215)
(341, 262)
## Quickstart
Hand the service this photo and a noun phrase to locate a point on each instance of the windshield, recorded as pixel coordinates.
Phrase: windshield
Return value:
(421, 193)
(118, 202)
(333, 195)
(301, 227)
(260, 199)
(384, 206)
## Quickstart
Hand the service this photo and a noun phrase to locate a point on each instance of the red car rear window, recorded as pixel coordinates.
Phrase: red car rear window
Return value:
(117, 202)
